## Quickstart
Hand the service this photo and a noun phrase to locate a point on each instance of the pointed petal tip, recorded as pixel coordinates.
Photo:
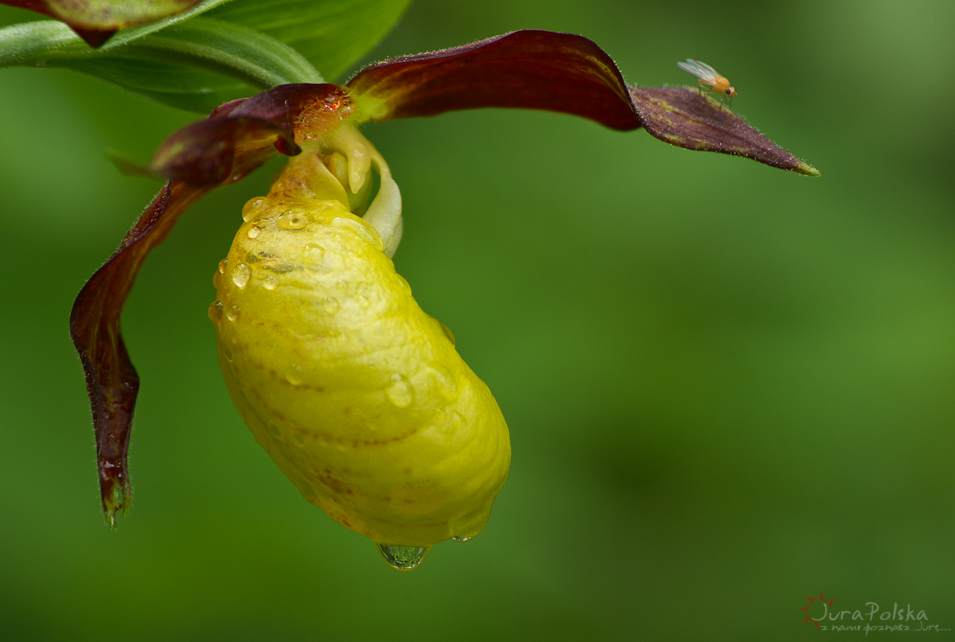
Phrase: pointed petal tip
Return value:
(95, 38)
(129, 167)
(682, 116)
(116, 499)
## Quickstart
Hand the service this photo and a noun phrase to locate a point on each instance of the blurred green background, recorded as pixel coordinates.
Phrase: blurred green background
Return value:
(728, 387)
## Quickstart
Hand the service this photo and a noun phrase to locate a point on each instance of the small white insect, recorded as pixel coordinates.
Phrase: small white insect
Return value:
(709, 78)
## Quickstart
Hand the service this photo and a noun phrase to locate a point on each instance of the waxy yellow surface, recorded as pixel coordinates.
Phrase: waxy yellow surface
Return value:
(357, 394)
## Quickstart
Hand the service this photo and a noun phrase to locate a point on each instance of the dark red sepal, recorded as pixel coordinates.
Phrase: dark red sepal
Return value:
(285, 105)
(248, 132)
(526, 69)
(203, 153)
(683, 117)
(236, 139)
(555, 72)
(111, 380)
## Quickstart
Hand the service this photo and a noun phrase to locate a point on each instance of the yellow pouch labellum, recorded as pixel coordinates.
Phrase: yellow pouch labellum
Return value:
(357, 394)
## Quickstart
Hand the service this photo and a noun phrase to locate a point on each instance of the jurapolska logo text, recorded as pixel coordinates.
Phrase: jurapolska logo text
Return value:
(871, 618)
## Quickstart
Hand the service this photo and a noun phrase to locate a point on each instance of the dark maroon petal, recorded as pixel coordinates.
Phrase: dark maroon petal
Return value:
(555, 72)
(242, 134)
(527, 69)
(204, 153)
(111, 380)
(236, 139)
(683, 117)
(284, 105)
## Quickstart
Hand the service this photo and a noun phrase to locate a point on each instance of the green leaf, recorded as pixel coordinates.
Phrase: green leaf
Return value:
(237, 49)
(331, 34)
(227, 48)
(194, 65)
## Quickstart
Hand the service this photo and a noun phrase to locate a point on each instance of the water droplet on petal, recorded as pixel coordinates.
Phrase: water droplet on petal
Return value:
(404, 284)
(273, 430)
(226, 352)
(252, 208)
(223, 264)
(314, 252)
(294, 375)
(447, 332)
(444, 380)
(215, 311)
(293, 220)
(362, 301)
(232, 313)
(461, 539)
(239, 384)
(241, 275)
(400, 392)
(403, 558)
(308, 491)
(330, 305)
(297, 438)
(365, 231)
(270, 282)
(254, 232)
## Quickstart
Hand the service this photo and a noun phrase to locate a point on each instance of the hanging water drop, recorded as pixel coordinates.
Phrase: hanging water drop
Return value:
(223, 264)
(403, 558)
(232, 313)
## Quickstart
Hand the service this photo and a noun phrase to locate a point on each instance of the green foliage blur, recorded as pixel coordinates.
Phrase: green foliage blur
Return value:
(728, 387)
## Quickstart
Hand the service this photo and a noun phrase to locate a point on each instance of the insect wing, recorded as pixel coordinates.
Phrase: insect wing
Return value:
(700, 70)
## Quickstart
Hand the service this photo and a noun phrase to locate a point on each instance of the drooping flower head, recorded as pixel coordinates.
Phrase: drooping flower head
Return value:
(356, 393)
